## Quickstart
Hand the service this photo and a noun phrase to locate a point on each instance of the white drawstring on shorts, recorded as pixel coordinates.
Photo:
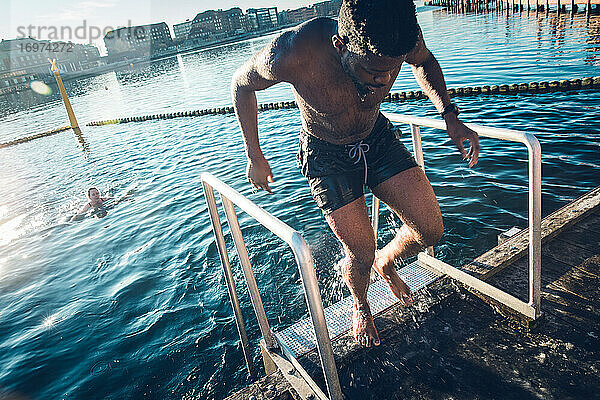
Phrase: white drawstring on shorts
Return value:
(357, 151)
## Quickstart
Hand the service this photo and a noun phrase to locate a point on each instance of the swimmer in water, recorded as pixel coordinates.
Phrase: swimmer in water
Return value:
(96, 204)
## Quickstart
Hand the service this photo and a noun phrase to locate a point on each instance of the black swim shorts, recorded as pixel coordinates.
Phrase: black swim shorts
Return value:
(337, 174)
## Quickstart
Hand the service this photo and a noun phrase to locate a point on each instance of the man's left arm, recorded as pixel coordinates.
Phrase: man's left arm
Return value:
(430, 78)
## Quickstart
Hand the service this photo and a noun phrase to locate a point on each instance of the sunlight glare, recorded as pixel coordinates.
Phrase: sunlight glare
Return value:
(41, 88)
(9, 230)
(50, 321)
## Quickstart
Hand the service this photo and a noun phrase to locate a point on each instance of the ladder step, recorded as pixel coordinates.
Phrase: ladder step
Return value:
(300, 337)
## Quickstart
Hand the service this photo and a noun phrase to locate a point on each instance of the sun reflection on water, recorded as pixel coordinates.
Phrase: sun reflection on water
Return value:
(9, 230)
(50, 321)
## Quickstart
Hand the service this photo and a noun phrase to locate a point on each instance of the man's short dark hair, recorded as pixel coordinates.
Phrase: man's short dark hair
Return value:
(382, 27)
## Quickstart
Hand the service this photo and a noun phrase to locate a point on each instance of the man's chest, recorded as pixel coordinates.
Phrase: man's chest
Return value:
(333, 96)
(330, 90)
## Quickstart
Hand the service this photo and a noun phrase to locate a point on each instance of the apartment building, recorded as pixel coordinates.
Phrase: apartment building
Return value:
(143, 41)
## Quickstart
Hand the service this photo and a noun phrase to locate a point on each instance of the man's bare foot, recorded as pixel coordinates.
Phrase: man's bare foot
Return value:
(398, 287)
(363, 326)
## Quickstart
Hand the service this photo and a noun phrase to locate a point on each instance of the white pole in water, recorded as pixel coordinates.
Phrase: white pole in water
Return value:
(63, 93)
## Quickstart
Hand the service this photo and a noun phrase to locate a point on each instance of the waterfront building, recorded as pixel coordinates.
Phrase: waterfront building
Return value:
(330, 8)
(263, 18)
(297, 15)
(182, 30)
(23, 60)
(214, 25)
(206, 26)
(142, 41)
(234, 21)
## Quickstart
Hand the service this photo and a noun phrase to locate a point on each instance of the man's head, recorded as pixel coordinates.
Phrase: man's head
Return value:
(373, 36)
(378, 27)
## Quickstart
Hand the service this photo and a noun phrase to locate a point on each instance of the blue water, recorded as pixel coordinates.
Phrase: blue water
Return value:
(134, 305)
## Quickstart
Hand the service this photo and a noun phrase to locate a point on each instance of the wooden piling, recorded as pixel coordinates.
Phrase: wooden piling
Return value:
(63, 93)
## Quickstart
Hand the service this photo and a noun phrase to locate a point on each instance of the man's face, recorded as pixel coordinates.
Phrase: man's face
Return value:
(369, 73)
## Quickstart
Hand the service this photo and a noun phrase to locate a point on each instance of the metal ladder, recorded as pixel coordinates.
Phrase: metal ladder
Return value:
(316, 330)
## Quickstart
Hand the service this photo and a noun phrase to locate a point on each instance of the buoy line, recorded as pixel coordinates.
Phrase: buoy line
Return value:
(515, 88)
(532, 87)
(32, 137)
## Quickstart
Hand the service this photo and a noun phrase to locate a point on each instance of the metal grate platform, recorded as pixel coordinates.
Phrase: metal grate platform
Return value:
(300, 337)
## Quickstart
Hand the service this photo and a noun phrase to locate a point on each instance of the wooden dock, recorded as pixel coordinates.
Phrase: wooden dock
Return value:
(558, 6)
(452, 344)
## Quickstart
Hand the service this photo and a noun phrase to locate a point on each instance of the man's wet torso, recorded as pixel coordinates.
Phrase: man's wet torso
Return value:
(329, 102)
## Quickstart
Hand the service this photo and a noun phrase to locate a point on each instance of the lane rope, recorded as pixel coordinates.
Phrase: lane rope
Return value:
(515, 88)
(532, 87)
(33, 137)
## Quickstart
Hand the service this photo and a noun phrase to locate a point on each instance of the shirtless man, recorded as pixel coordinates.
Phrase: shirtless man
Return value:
(340, 73)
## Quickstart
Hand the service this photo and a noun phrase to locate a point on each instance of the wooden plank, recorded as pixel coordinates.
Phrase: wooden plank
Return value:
(575, 296)
(591, 223)
(569, 293)
(558, 258)
(553, 2)
(566, 252)
(515, 278)
(493, 261)
(584, 238)
(484, 288)
(582, 282)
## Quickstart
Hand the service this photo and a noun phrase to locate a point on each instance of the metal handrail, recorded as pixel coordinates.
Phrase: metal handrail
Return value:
(303, 257)
(534, 194)
(305, 260)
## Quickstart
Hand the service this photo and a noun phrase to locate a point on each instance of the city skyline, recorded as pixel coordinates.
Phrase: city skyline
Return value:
(101, 15)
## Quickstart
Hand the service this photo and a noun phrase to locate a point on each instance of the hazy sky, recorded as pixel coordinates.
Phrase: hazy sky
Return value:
(17, 15)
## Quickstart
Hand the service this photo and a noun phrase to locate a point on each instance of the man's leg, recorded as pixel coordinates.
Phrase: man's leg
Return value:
(352, 227)
(410, 195)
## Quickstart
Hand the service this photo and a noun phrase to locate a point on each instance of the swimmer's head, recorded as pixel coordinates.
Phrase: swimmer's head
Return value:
(93, 194)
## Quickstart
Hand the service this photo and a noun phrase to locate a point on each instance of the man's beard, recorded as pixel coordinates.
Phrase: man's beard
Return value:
(362, 89)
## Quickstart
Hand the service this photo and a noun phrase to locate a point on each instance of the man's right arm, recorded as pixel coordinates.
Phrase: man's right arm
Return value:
(273, 64)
